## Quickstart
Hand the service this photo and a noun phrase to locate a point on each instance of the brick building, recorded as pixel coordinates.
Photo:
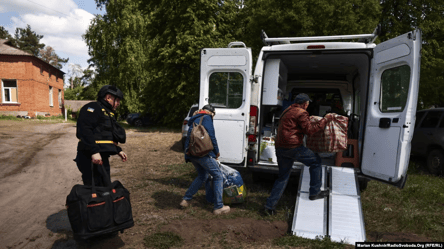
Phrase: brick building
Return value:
(29, 85)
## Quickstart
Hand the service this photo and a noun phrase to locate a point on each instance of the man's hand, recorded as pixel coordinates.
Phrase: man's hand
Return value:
(123, 156)
(217, 156)
(96, 158)
(329, 117)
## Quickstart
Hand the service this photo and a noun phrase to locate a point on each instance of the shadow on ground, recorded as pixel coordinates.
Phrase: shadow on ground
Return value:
(58, 223)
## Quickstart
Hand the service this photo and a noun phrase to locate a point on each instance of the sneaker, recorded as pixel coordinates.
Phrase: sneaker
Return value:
(320, 195)
(222, 210)
(184, 204)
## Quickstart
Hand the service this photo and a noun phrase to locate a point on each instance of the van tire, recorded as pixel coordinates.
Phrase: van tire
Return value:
(435, 162)
(362, 184)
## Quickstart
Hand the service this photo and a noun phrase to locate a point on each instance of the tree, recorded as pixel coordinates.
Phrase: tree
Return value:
(307, 18)
(28, 40)
(4, 34)
(150, 50)
(48, 54)
(400, 17)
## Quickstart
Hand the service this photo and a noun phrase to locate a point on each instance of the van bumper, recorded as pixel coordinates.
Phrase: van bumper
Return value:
(272, 169)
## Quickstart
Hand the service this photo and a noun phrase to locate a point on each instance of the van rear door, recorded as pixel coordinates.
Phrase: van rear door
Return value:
(225, 83)
(391, 108)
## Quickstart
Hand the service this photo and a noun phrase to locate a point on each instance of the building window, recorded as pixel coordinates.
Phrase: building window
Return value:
(9, 91)
(50, 97)
(60, 98)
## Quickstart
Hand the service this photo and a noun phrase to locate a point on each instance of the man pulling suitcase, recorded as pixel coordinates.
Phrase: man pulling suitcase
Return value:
(99, 207)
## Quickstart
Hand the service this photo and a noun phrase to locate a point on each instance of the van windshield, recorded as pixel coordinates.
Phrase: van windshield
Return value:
(226, 89)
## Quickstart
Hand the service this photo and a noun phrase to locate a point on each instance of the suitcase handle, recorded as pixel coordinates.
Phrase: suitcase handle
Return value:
(107, 178)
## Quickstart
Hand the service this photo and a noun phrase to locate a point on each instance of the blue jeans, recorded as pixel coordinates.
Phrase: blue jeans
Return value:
(286, 158)
(207, 166)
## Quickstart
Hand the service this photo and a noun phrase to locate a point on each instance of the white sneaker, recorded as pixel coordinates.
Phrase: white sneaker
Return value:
(222, 210)
(184, 204)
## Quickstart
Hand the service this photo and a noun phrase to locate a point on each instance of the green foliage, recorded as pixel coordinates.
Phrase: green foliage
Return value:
(151, 49)
(81, 93)
(4, 34)
(28, 40)
(415, 209)
(295, 241)
(9, 117)
(307, 18)
(399, 17)
(163, 240)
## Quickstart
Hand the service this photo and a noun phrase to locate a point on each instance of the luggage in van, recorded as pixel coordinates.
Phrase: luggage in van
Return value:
(333, 138)
(95, 211)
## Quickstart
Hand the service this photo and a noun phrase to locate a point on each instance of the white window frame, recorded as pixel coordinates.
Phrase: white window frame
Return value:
(51, 101)
(9, 89)
(60, 98)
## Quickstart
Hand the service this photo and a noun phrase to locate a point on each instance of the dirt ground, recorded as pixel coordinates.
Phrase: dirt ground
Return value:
(37, 172)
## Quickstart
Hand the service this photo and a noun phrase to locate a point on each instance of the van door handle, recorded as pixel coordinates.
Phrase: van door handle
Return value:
(384, 123)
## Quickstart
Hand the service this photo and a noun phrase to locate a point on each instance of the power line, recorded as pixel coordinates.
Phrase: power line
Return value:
(48, 8)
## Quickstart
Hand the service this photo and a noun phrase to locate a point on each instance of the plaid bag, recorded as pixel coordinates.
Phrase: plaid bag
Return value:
(333, 138)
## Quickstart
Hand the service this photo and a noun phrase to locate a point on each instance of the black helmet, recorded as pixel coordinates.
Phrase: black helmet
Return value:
(111, 90)
(209, 107)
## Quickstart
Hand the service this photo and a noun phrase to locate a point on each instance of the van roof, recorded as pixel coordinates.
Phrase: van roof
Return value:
(319, 46)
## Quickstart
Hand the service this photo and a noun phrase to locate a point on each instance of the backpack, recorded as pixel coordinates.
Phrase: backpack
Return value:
(200, 142)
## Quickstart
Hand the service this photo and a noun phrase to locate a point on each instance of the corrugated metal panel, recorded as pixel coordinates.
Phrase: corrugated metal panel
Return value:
(338, 216)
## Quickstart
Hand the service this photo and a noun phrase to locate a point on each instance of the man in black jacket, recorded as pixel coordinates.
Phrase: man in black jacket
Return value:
(99, 135)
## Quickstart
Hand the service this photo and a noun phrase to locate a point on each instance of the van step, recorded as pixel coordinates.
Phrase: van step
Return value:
(339, 216)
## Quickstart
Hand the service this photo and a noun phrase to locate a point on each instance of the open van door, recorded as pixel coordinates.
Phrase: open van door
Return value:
(391, 108)
(225, 83)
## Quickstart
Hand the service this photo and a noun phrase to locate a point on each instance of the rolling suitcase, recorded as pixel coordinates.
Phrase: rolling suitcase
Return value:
(95, 211)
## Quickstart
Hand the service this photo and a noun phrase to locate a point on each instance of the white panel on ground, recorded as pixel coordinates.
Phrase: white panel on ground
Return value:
(343, 181)
(338, 216)
(305, 183)
(310, 217)
(345, 213)
(346, 223)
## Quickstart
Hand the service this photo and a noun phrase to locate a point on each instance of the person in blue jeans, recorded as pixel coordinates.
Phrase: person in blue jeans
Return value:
(294, 124)
(206, 165)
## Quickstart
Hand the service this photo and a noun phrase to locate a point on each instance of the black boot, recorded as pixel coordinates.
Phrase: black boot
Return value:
(320, 195)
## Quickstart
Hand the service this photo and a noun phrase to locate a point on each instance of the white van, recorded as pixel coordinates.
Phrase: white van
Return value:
(376, 86)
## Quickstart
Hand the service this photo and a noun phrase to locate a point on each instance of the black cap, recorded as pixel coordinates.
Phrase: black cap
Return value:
(209, 107)
(302, 98)
(108, 89)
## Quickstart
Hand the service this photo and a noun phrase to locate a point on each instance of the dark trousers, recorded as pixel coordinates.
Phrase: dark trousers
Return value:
(84, 160)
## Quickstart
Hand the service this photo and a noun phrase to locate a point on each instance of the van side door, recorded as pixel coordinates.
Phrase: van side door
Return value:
(225, 83)
(391, 108)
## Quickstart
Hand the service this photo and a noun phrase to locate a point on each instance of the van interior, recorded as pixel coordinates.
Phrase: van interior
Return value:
(336, 81)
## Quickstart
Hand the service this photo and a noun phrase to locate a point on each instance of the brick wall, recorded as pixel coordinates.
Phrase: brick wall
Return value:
(33, 77)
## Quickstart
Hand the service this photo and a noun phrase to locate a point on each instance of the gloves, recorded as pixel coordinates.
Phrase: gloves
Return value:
(96, 158)
(123, 156)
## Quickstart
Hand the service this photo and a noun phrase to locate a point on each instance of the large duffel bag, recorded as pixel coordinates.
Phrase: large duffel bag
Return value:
(94, 210)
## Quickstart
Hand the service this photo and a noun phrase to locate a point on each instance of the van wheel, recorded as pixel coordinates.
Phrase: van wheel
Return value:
(435, 162)
(363, 184)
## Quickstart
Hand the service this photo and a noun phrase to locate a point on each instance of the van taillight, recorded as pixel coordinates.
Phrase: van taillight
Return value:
(253, 124)
(315, 47)
(185, 122)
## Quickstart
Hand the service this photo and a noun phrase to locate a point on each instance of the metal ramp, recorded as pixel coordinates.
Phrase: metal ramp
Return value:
(338, 216)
